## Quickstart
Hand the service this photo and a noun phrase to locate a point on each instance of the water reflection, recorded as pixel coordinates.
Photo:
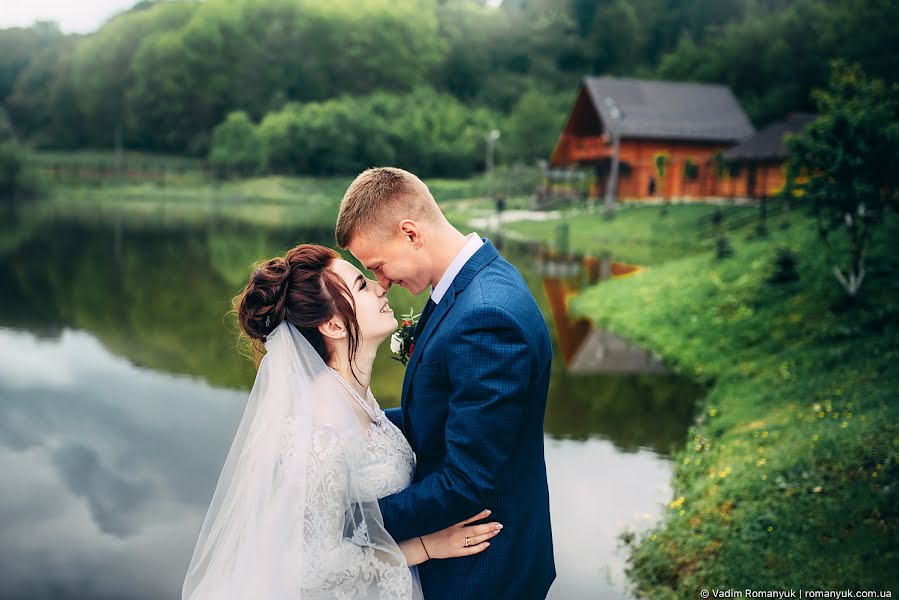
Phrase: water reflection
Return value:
(120, 390)
(108, 470)
(105, 468)
(596, 492)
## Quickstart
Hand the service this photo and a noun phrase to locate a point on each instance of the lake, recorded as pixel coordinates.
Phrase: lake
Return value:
(121, 387)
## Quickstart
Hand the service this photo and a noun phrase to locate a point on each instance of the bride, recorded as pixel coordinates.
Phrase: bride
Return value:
(295, 512)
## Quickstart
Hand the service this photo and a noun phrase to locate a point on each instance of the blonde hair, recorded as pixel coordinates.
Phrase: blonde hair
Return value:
(380, 198)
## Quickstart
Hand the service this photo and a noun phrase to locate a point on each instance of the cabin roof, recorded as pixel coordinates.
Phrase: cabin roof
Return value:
(768, 144)
(669, 110)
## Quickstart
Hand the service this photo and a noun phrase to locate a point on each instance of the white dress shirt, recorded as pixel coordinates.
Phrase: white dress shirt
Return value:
(467, 251)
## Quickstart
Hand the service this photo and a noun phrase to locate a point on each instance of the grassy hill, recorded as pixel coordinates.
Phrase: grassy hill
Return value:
(789, 478)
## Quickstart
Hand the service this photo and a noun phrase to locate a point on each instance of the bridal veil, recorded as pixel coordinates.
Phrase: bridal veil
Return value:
(287, 519)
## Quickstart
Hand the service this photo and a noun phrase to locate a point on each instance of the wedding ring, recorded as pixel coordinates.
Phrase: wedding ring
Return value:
(467, 542)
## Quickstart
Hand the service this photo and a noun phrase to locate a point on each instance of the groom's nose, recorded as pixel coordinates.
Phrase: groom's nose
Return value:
(383, 282)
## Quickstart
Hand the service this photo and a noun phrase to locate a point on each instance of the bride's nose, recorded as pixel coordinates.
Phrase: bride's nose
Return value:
(382, 291)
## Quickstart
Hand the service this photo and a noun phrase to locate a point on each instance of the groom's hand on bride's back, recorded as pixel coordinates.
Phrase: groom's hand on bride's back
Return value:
(462, 539)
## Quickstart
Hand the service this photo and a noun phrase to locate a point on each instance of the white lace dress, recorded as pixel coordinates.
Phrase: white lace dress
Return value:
(343, 558)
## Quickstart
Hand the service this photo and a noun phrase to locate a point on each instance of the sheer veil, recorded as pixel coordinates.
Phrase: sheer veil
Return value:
(287, 520)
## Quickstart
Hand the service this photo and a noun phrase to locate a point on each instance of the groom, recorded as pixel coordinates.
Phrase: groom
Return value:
(475, 389)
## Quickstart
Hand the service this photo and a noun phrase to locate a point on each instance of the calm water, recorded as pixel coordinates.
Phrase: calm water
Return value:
(120, 390)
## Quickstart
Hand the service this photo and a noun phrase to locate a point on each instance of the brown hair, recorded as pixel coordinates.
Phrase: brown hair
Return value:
(301, 288)
(379, 198)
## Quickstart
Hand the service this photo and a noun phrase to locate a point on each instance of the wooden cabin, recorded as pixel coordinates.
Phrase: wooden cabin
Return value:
(682, 125)
(758, 163)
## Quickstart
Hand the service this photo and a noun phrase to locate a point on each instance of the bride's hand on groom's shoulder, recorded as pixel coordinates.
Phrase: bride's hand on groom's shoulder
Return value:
(462, 539)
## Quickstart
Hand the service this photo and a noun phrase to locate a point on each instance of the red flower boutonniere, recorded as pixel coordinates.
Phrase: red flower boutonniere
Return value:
(402, 342)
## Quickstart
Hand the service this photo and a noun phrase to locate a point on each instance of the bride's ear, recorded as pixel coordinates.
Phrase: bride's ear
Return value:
(332, 329)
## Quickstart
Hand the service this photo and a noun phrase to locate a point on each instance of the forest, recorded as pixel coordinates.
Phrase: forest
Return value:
(320, 88)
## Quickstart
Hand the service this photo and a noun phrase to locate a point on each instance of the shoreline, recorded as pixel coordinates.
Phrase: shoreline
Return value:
(788, 476)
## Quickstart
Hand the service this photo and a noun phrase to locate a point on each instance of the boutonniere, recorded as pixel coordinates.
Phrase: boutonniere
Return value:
(402, 342)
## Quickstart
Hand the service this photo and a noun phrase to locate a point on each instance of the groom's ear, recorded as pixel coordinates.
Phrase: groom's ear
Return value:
(411, 231)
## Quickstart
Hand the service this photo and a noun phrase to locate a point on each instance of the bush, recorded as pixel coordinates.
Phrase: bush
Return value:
(784, 267)
(426, 132)
(16, 176)
(532, 128)
(723, 249)
(235, 146)
(691, 170)
(717, 217)
(6, 131)
(761, 230)
(845, 167)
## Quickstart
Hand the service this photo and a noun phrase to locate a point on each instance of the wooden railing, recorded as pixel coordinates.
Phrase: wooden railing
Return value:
(585, 147)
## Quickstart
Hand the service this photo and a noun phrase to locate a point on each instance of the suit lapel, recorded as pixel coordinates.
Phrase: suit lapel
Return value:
(480, 259)
(436, 315)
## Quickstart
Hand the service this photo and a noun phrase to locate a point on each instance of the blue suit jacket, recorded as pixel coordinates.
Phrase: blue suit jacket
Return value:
(473, 402)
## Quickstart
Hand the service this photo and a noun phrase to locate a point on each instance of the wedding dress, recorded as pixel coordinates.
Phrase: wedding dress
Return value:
(295, 513)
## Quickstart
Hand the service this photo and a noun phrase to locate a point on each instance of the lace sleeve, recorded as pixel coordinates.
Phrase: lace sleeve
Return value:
(342, 560)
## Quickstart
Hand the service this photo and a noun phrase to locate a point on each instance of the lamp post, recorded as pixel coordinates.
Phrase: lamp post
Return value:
(611, 189)
(491, 141)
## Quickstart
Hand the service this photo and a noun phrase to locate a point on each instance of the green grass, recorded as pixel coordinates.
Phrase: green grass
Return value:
(636, 234)
(790, 476)
(640, 233)
(107, 158)
(643, 234)
(191, 198)
(269, 201)
(167, 189)
(460, 212)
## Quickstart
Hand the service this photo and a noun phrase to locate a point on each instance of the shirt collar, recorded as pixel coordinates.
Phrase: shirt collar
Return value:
(471, 246)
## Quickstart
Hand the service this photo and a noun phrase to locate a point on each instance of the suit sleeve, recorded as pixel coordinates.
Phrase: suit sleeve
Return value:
(490, 366)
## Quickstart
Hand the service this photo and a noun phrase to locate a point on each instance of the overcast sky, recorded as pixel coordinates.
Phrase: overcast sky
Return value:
(73, 16)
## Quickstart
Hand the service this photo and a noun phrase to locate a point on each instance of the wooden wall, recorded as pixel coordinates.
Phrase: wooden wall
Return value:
(584, 143)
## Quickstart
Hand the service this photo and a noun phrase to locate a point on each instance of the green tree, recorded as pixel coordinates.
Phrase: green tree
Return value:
(166, 109)
(283, 142)
(102, 66)
(6, 132)
(43, 104)
(424, 131)
(277, 60)
(12, 165)
(162, 75)
(19, 46)
(609, 35)
(533, 126)
(257, 55)
(846, 166)
(65, 128)
(779, 51)
(17, 178)
(235, 146)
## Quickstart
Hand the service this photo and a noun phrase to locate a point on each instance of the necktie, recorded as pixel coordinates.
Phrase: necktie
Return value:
(420, 326)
